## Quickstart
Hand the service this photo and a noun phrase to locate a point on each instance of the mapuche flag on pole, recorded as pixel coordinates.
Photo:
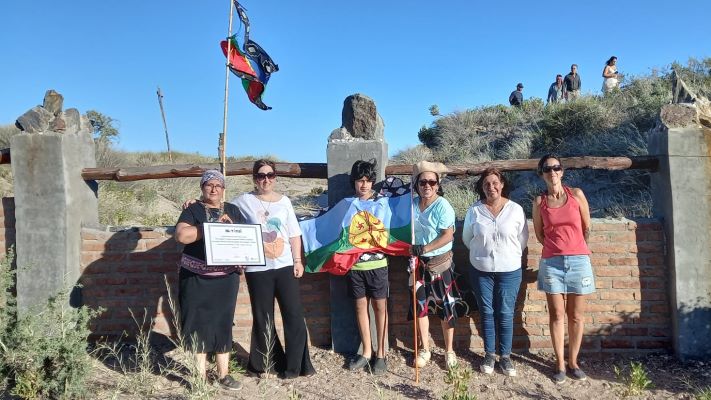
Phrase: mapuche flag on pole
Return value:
(250, 62)
(334, 241)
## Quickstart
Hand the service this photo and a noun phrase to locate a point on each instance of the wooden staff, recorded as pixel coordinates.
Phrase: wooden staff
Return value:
(223, 136)
(413, 267)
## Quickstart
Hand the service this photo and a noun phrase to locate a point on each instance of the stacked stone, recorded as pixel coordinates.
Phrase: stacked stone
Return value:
(49, 117)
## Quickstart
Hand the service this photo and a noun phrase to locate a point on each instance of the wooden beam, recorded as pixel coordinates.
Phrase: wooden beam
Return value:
(606, 163)
(127, 174)
(319, 170)
(5, 156)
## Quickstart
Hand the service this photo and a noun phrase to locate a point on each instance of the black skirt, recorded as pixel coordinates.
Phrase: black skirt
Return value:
(207, 311)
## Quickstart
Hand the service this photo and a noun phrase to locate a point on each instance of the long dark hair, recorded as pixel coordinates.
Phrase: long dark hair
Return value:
(542, 161)
(609, 62)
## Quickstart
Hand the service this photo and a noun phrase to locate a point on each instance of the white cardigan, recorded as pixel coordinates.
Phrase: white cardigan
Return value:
(495, 244)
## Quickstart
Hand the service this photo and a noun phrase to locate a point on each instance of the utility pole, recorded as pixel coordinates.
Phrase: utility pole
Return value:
(165, 125)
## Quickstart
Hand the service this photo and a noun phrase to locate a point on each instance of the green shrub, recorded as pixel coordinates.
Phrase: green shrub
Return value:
(43, 352)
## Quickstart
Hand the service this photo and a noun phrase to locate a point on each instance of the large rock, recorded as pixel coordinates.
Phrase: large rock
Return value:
(35, 120)
(72, 118)
(53, 102)
(361, 119)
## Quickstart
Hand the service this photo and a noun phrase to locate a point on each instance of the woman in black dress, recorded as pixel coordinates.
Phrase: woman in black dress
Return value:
(208, 294)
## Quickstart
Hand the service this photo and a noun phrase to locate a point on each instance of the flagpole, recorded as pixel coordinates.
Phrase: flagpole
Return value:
(413, 266)
(223, 136)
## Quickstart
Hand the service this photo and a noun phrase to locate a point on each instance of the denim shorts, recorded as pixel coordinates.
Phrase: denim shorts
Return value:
(566, 274)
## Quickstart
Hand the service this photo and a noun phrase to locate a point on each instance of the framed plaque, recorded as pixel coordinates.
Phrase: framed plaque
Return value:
(233, 244)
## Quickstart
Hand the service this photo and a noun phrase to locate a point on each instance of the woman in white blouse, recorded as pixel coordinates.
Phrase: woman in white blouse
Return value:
(496, 233)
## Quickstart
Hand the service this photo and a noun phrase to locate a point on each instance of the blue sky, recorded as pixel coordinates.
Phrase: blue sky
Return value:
(407, 55)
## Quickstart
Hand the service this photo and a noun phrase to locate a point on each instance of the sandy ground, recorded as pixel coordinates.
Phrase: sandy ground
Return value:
(670, 378)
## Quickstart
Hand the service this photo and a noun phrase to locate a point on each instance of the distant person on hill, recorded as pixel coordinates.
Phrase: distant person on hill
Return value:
(610, 75)
(561, 219)
(571, 84)
(555, 92)
(516, 97)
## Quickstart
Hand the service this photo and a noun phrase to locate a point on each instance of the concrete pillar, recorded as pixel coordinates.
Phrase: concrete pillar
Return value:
(342, 151)
(52, 202)
(682, 197)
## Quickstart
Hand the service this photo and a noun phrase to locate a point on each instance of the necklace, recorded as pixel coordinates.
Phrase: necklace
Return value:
(209, 216)
(266, 209)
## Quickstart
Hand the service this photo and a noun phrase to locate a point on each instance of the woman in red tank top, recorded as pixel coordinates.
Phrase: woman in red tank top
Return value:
(561, 219)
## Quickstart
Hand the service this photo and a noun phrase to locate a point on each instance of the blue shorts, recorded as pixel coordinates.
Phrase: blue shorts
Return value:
(566, 274)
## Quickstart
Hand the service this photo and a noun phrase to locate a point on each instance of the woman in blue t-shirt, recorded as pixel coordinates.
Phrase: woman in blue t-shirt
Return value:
(436, 290)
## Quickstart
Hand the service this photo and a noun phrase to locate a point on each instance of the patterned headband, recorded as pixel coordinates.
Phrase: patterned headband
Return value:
(212, 174)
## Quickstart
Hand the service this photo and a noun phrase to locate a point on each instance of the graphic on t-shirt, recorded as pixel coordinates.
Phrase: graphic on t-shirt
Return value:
(273, 244)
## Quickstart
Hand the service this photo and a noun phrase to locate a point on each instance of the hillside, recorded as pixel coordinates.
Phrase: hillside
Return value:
(614, 124)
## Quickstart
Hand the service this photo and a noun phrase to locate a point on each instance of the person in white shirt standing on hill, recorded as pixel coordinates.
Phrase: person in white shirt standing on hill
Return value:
(496, 233)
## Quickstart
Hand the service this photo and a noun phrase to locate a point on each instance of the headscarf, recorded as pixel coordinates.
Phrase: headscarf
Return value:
(211, 174)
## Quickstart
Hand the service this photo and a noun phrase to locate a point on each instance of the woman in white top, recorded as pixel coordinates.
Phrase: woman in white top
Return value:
(281, 236)
(609, 73)
(496, 233)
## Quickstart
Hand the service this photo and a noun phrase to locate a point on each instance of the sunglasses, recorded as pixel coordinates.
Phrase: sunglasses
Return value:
(425, 182)
(549, 168)
(260, 176)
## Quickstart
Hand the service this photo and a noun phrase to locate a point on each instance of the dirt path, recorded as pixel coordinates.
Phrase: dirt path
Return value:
(671, 380)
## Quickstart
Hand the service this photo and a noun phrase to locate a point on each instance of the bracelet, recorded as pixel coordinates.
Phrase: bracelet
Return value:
(297, 260)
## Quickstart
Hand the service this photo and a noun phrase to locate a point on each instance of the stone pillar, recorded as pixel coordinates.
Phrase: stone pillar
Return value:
(52, 201)
(359, 138)
(682, 197)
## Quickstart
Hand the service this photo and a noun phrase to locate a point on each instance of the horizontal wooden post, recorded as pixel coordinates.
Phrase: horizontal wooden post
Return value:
(318, 170)
(127, 174)
(606, 163)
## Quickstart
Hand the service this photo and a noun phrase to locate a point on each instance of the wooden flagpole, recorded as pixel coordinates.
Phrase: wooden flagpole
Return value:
(413, 267)
(165, 125)
(223, 135)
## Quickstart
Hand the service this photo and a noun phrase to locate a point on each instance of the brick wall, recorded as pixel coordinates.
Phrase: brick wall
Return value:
(629, 311)
(7, 224)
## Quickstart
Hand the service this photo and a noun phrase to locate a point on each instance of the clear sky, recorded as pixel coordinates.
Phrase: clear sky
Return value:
(407, 55)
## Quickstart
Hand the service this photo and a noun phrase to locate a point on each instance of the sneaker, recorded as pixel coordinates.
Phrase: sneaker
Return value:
(507, 366)
(451, 360)
(578, 374)
(487, 366)
(559, 377)
(422, 358)
(379, 366)
(229, 383)
(357, 363)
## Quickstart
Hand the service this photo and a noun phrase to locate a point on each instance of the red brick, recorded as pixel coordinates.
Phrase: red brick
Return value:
(590, 307)
(603, 283)
(612, 271)
(609, 248)
(660, 308)
(652, 272)
(654, 261)
(625, 284)
(611, 319)
(92, 246)
(618, 295)
(653, 344)
(654, 295)
(652, 283)
(650, 226)
(624, 261)
(659, 332)
(635, 308)
(623, 237)
(599, 260)
(614, 343)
